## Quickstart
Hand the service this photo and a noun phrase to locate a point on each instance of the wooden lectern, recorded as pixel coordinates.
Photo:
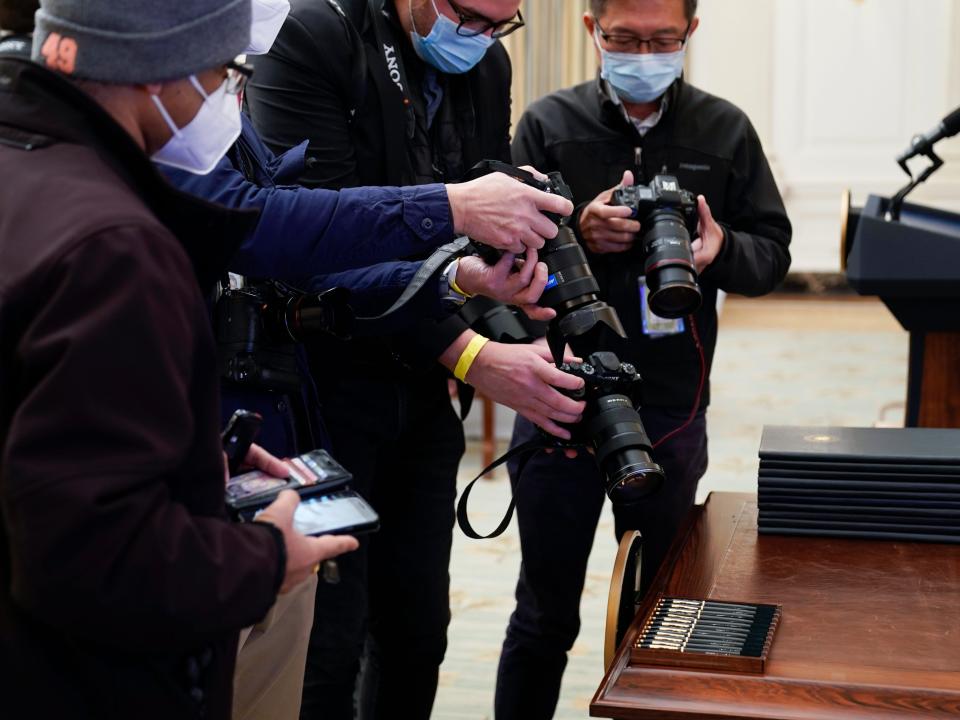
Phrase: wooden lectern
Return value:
(913, 265)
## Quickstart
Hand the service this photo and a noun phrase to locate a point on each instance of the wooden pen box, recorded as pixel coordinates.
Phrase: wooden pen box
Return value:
(706, 634)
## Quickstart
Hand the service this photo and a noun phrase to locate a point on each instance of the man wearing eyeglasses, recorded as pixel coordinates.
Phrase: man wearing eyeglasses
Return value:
(398, 92)
(639, 118)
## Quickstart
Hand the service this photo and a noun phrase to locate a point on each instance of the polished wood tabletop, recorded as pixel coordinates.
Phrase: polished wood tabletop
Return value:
(870, 629)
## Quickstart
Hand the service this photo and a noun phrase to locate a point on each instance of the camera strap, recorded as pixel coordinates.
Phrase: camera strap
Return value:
(528, 448)
(485, 167)
(440, 257)
(394, 89)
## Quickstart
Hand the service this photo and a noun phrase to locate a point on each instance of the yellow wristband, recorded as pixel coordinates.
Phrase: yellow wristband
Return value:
(468, 355)
(454, 286)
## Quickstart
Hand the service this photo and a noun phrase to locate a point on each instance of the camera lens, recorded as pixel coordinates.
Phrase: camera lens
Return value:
(302, 316)
(570, 282)
(638, 476)
(671, 274)
(623, 449)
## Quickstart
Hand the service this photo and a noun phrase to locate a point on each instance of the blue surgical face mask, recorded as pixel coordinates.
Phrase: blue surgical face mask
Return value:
(640, 77)
(444, 49)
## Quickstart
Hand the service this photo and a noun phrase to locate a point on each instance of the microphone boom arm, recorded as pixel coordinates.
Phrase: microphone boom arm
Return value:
(896, 202)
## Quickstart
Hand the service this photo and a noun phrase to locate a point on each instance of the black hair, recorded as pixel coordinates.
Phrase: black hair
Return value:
(598, 7)
(17, 15)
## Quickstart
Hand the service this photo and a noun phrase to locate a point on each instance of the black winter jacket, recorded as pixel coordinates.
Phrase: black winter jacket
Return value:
(122, 584)
(711, 147)
(326, 80)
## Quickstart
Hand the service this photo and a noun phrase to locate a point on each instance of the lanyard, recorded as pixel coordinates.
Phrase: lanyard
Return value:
(389, 48)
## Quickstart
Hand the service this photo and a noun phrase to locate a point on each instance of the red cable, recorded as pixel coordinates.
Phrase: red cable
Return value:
(703, 378)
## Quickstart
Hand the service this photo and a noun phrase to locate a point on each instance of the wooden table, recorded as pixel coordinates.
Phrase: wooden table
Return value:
(870, 629)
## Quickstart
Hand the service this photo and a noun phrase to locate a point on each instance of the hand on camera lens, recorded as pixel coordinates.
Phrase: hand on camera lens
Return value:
(708, 245)
(522, 377)
(512, 281)
(608, 228)
(502, 212)
(303, 552)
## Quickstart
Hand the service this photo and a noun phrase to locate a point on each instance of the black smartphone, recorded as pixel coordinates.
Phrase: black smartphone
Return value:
(313, 473)
(339, 513)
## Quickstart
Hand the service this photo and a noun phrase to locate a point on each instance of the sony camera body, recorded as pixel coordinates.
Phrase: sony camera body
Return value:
(668, 217)
(612, 427)
(572, 290)
(611, 424)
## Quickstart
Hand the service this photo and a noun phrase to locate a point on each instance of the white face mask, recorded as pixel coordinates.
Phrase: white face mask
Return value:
(268, 17)
(203, 142)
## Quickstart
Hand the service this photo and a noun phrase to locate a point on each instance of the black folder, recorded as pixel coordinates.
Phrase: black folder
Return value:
(855, 499)
(943, 515)
(831, 465)
(862, 534)
(927, 446)
(832, 471)
(921, 528)
(863, 486)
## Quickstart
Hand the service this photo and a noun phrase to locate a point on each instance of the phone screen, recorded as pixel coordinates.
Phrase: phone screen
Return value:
(343, 512)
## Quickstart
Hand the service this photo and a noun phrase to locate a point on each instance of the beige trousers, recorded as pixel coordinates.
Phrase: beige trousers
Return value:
(268, 682)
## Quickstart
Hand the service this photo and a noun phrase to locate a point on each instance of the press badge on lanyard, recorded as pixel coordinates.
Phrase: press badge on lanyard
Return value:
(654, 325)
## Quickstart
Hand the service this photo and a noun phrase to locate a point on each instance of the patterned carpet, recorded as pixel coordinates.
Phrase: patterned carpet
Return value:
(778, 361)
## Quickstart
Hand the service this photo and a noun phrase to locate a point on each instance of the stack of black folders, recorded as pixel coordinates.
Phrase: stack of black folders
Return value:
(707, 634)
(865, 483)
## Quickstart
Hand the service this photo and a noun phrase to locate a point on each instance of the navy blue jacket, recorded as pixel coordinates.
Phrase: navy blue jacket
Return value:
(317, 238)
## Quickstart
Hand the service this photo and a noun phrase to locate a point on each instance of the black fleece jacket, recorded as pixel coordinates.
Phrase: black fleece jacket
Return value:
(327, 80)
(711, 147)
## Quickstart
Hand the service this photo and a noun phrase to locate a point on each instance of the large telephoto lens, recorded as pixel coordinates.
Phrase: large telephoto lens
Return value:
(669, 269)
(622, 449)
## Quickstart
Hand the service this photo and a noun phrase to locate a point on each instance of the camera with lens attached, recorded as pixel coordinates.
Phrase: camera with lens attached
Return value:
(571, 290)
(612, 427)
(259, 325)
(668, 217)
(611, 423)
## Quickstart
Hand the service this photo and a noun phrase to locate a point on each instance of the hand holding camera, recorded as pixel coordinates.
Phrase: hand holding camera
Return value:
(512, 281)
(609, 228)
(710, 243)
(479, 211)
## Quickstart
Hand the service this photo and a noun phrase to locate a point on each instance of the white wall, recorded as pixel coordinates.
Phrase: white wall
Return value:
(836, 88)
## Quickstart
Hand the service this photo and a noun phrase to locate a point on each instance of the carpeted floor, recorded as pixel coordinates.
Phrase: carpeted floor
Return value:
(778, 361)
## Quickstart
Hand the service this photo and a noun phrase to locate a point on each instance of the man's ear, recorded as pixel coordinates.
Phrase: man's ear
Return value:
(694, 24)
(588, 23)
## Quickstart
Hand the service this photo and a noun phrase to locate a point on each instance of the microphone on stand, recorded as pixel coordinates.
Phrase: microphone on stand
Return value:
(923, 144)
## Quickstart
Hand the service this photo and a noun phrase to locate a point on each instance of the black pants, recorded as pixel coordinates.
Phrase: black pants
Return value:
(403, 443)
(558, 507)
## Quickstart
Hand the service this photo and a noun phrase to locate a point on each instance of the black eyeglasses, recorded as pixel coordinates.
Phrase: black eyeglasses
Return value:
(472, 25)
(237, 76)
(634, 44)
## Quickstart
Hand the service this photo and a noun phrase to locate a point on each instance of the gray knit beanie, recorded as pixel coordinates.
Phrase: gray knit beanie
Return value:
(139, 41)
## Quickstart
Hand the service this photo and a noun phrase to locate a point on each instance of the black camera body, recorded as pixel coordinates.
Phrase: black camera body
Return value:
(668, 217)
(611, 424)
(572, 290)
(259, 325)
(612, 427)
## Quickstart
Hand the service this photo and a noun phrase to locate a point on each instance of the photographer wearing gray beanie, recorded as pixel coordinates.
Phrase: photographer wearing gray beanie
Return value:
(123, 586)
